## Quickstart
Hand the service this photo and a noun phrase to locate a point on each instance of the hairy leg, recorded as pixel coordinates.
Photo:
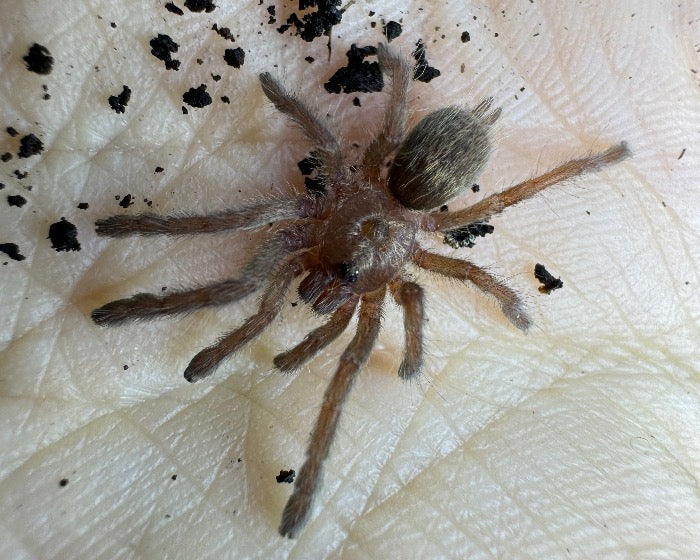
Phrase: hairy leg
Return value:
(248, 217)
(441, 221)
(409, 295)
(396, 115)
(297, 510)
(317, 339)
(509, 300)
(203, 364)
(149, 306)
(325, 143)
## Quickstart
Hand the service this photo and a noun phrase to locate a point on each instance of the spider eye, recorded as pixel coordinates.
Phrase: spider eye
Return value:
(348, 271)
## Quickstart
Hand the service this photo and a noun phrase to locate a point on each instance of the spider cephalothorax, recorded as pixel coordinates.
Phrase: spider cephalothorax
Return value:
(351, 245)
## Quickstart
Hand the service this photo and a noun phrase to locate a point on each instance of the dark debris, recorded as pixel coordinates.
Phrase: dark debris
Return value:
(358, 75)
(234, 57)
(172, 8)
(423, 72)
(392, 30)
(316, 23)
(286, 476)
(16, 200)
(38, 59)
(161, 47)
(549, 282)
(200, 6)
(64, 236)
(29, 146)
(119, 102)
(197, 97)
(12, 251)
(466, 236)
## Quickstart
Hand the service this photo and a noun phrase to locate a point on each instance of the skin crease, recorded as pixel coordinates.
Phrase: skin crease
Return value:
(576, 440)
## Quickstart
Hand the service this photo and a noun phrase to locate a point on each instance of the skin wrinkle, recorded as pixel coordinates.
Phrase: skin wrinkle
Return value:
(601, 323)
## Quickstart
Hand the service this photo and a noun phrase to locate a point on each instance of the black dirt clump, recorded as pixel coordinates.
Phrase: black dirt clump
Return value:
(29, 146)
(64, 236)
(119, 102)
(234, 57)
(16, 200)
(12, 251)
(358, 75)
(392, 30)
(173, 9)
(224, 32)
(38, 59)
(197, 97)
(286, 476)
(126, 201)
(423, 72)
(548, 281)
(314, 24)
(466, 236)
(200, 5)
(161, 47)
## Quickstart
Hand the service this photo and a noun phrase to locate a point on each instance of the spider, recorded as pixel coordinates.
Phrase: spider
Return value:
(352, 244)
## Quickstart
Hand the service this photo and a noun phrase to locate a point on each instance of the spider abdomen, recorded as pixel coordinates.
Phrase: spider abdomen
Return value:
(442, 155)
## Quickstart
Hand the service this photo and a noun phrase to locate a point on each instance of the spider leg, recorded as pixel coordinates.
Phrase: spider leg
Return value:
(248, 217)
(149, 306)
(511, 304)
(325, 143)
(409, 295)
(441, 221)
(396, 115)
(203, 364)
(317, 339)
(298, 507)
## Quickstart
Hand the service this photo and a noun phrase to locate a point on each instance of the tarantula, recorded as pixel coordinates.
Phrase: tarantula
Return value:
(352, 243)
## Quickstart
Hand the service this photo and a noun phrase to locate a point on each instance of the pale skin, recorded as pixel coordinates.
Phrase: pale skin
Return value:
(374, 526)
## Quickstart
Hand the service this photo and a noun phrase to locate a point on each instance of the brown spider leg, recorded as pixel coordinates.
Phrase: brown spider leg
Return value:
(396, 115)
(203, 364)
(248, 217)
(441, 221)
(325, 143)
(511, 304)
(317, 339)
(150, 306)
(409, 296)
(298, 507)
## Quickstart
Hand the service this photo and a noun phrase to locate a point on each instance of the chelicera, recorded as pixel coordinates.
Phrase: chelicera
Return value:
(351, 245)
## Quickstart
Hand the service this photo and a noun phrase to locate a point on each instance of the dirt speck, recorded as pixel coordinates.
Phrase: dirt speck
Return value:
(197, 97)
(29, 146)
(12, 251)
(38, 59)
(234, 57)
(549, 282)
(64, 236)
(119, 102)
